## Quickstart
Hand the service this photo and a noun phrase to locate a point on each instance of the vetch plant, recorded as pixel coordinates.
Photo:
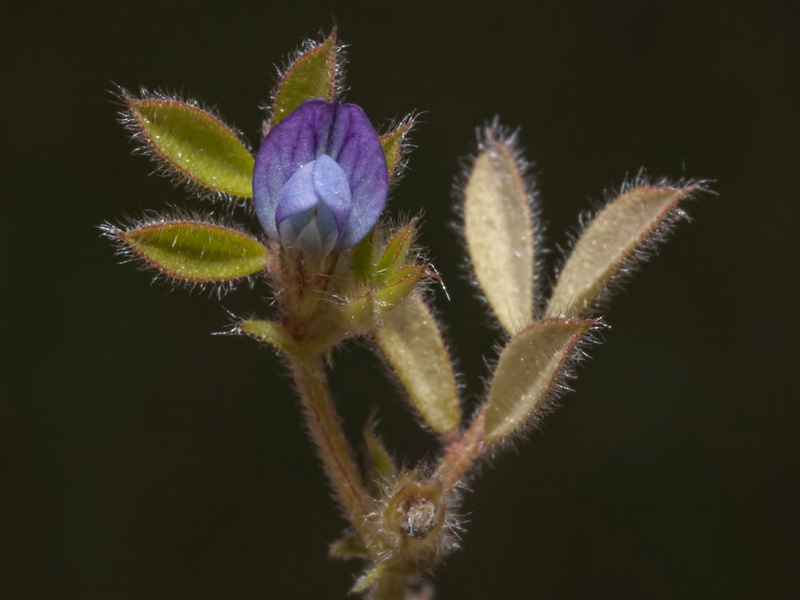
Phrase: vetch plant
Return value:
(318, 186)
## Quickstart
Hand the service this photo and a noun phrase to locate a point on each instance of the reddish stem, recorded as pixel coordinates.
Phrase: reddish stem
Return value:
(462, 452)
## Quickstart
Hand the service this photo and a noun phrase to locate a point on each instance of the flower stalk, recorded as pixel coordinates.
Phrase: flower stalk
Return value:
(326, 432)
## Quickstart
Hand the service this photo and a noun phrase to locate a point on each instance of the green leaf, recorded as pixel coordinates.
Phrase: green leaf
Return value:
(614, 237)
(411, 342)
(193, 144)
(194, 251)
(394, 146)
(527, 371)
(499, 231)
(313, 74)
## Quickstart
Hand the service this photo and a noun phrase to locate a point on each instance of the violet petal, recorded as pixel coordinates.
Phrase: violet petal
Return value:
(353, 154)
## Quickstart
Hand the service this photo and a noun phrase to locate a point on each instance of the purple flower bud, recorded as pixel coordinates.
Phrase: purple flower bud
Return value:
(320, 179)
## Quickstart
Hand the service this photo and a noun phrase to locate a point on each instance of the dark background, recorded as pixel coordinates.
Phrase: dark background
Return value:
(144, 458)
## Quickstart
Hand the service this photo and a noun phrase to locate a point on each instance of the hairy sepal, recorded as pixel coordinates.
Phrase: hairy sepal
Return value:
(395, 146)
(192, 251)
(385, 278)
(528, 373)
(619, 236)
(190, 144)
(369, 578)
(349, 546)
(412, 344)
(380, 462)
(315, 72)
(398, 287)
(394, 256)
(499, 229)
(364, 259)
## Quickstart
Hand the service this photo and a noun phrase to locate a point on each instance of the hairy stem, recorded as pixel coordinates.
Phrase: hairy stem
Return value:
(392, 586)
(462, 453)
(326, 433)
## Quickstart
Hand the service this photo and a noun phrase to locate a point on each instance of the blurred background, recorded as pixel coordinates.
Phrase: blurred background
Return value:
(142, 457)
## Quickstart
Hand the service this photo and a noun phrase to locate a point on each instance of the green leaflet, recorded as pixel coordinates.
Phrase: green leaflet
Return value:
(311, 75)
(528, 369)
(411, 342)
(269, 332)
(193, 144)
(194, 251)
(499, 232)
(606, 244)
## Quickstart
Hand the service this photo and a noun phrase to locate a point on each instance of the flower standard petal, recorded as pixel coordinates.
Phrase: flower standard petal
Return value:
(296, 141)
(356, 147)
